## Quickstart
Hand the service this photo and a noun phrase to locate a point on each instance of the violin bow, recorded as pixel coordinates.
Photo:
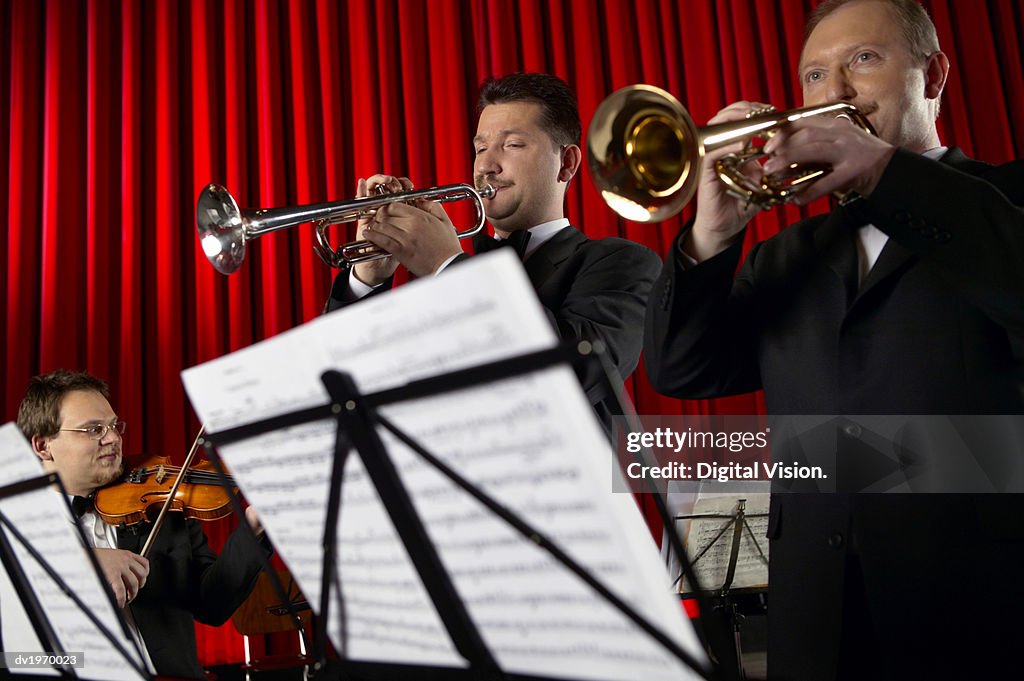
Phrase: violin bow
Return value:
(174, 490)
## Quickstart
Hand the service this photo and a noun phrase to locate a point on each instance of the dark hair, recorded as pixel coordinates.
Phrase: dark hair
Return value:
(559, 115)
(915, 24)
(39, 412)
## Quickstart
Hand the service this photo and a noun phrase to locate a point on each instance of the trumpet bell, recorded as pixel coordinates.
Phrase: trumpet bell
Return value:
(644, 153)
(221, 229)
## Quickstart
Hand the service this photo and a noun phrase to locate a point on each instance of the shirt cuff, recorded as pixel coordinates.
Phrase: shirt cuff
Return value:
(357, 289)
(685, 260)
(440, 268)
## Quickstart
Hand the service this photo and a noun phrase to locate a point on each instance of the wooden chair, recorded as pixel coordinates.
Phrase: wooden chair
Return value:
(264, 613)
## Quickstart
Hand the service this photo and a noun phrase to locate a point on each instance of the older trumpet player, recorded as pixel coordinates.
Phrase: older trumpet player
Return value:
(906, 301)
(527, 148)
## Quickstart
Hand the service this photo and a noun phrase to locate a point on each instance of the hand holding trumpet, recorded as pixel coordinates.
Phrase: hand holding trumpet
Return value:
(649, 160)
(855, 157)
(721, 218)
(376, 272)
(419, 235)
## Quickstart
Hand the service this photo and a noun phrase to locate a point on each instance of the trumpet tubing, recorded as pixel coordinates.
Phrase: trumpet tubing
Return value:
(225, 229)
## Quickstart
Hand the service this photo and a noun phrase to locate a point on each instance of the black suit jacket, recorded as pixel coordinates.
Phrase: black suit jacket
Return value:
(188, 582)
(591, 289)
(937, 327)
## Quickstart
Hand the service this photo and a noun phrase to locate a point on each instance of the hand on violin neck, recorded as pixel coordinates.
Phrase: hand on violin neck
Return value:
(125, 571)
(254, 521)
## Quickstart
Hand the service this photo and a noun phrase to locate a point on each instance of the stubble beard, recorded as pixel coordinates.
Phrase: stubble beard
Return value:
(108, 473)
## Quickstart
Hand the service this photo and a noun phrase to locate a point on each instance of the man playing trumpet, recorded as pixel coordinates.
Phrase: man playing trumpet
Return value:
(527, 148)
(904, 301)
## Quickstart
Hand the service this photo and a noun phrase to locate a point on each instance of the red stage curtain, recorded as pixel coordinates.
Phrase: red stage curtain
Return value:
(116, 114)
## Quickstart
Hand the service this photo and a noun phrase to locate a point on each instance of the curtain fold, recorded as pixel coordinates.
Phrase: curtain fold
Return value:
(116, 114)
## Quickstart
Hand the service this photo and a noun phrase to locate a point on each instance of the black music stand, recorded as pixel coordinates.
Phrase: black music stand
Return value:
(33, 608)
(725, 598)
(357, 417)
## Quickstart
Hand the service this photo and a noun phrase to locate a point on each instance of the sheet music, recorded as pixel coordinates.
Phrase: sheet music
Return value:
(42, 518)
(751, 565)
(532, 442)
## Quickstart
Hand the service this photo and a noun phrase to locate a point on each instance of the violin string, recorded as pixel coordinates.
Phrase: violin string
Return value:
(190, 476)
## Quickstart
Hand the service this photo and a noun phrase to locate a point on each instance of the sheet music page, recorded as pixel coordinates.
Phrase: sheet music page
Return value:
(42, 517)
(752, 561)
(16, 630)
(532, 442)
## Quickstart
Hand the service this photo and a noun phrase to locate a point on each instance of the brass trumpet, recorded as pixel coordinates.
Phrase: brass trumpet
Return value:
(645, 153)
(225, 229)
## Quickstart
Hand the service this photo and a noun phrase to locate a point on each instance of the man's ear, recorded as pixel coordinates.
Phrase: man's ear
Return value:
(572, 156)
(41, 447)
(936, 70)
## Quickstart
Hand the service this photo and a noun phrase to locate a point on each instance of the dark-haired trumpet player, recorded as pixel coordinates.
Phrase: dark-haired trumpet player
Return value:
(527, 148)
(909, 300)
(75, 432)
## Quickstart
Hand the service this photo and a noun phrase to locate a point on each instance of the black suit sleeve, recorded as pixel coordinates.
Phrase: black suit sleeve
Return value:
(339, 297)
(698, 337)
(224, 582)
(598, 294)
(605, 302)
(188, 581)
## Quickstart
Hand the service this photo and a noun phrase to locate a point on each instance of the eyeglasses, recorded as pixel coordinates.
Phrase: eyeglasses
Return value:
(98, 431)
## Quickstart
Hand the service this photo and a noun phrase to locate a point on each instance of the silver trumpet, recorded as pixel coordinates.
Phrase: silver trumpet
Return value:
(225, 229)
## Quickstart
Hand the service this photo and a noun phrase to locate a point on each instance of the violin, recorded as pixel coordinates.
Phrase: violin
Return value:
(154, 485)
(141, 492)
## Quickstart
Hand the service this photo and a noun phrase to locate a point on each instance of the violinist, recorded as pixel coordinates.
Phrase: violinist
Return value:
(76, 433)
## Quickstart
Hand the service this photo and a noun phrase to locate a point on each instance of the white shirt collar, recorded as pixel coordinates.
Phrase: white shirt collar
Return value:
(539, 235)
(871, 240)
(543, 233)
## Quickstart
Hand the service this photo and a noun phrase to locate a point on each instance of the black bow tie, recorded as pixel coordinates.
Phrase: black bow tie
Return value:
(81, 505)
(517, 240)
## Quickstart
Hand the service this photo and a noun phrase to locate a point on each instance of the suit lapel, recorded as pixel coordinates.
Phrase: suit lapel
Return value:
(894, 257)
(834, 241)
(543, 262)
(891, 260)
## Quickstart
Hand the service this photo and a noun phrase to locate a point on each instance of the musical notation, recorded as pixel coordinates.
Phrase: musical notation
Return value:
(533, 443)
(706, 539)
